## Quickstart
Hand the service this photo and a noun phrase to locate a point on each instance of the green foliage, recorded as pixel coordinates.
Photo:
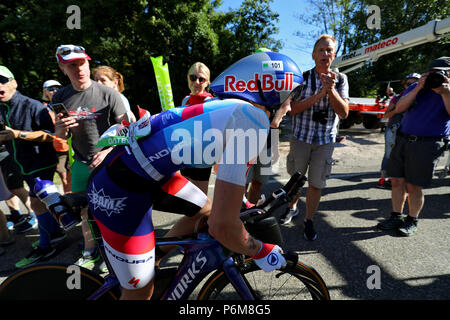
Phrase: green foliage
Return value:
(346, 19)
(125, 34)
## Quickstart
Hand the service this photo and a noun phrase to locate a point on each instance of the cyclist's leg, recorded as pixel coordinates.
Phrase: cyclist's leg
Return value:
(144, 293)
(125, 222)
(179, 195)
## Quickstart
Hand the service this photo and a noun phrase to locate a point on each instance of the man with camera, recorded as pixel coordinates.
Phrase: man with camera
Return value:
(316, 112)
(421, 139)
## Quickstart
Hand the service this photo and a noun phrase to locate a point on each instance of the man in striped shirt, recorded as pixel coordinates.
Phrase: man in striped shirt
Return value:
(317, 110)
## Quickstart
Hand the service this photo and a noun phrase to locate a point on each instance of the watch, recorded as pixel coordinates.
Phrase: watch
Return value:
(22, 135)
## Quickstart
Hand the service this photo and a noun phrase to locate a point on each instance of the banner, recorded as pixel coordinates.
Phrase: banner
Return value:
(163, 83)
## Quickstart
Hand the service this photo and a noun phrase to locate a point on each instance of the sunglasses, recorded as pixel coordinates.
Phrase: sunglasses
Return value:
(4, 80)
(194, 78)
(410, 83)
(64, 51)
(52, 88)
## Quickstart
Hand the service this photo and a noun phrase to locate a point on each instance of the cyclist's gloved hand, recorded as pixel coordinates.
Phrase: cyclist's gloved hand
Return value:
(269, 257)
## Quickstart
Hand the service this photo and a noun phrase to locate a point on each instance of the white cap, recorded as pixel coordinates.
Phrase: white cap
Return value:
(51, 83)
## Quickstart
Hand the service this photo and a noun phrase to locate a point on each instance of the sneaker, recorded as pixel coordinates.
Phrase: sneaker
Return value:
(13, 222)
(24, 227)
(89, 259)
(310, 234)
(36, 255)
(393, 222)
(23, 224)
(33, 220)
(381, 183)
(288, 215)
(103, 267)
(408, 227)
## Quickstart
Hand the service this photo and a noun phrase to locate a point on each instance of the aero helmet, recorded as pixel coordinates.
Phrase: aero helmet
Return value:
(266, 78)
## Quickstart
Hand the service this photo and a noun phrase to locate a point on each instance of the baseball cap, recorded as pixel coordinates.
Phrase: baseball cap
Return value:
(413, 75)
(4, 72)
(442, 63)
(51, 83)
(66, 53)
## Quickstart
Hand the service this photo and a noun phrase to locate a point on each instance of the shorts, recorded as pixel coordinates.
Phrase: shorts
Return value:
(317, 160)
(197, 174)
(11, 173)
(125, 220)
(414, 160)
(80, 176)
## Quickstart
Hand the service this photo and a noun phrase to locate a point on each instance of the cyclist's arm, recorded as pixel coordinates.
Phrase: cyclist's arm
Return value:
(224, 222)
(100, 156)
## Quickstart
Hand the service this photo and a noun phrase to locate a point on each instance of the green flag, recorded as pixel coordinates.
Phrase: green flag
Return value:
(163, 83)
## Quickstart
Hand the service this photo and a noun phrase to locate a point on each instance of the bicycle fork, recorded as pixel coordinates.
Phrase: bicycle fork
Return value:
(237, 280)
(201, 257)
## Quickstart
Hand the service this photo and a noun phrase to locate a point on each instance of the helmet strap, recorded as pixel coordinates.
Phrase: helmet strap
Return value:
(260, 91)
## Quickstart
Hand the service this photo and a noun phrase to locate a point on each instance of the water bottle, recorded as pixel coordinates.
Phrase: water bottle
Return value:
(48, 193)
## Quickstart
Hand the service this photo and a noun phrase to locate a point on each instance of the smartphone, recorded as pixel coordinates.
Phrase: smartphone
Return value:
(60, 108)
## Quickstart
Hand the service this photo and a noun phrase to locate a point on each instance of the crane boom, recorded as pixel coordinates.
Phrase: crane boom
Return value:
(432, 31)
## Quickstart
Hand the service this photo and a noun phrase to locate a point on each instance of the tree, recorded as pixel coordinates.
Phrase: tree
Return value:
(347, 21)
(125, 34)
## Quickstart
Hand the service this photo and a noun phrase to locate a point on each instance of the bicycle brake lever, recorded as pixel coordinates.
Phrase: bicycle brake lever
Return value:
(292, 258)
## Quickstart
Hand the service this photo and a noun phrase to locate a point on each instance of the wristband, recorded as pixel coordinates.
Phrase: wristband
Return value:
(22, 134)
(265, 249)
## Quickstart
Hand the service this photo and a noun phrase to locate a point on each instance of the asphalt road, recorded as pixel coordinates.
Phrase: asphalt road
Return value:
(357, 261)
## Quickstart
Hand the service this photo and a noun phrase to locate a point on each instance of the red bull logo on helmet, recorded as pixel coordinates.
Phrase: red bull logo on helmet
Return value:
(268, 83)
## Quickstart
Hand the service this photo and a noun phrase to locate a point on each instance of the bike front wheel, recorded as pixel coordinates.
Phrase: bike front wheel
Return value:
(297, 281)
(54, 282)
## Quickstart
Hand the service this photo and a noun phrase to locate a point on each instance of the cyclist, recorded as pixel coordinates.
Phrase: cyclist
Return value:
(141, 173)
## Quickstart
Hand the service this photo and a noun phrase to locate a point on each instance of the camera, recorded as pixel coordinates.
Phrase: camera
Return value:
(320, 116)
(435, 80)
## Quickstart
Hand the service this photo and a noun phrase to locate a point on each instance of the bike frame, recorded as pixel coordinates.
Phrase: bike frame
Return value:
(201, 256)
(205, 254)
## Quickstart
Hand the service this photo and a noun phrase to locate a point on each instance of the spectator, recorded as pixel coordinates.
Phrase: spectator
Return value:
(391, 129)
(198, 78)
(48, 89)
(14, 182)
(421, 139)
(61, 146)
(113, 79)
(93, 108)
(6, 237)
(323, 100)
(33, 152)
(389, 95)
